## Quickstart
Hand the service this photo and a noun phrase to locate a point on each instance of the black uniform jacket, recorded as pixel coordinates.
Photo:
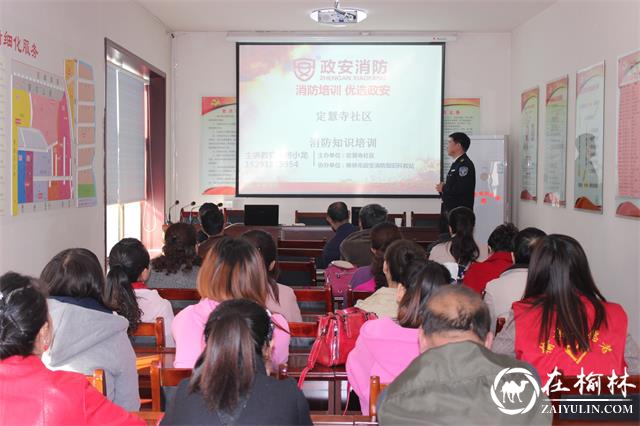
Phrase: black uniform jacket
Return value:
(459, 187)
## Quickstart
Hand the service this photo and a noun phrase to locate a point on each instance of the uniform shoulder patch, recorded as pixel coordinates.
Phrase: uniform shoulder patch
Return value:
(463, 171)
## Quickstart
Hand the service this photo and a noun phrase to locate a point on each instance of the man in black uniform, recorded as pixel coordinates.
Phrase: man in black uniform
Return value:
(460, 184)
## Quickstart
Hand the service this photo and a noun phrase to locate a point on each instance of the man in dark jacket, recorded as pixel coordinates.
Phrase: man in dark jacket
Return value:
(458, 380)
(338, 218)
(356, 248)
(460, 184)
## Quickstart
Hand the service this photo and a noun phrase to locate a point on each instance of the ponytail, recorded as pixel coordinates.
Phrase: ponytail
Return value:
(237, 333)
(463, 246)
(127, 260)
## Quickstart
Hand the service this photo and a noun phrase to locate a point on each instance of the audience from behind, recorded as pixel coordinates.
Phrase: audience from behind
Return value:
(563, 320)
(461, 249)
(230, 383)
(86, 333)
(204, 209)
(212, 223)
(397, 260)
(385, 347)
(500, 258)
(128, 271)
(31, 393)
(356, 248)
(501, 292)
(371, 277)
(179, 263)
(338, 218)
(233, 269)
(452, 377)
(281, 298)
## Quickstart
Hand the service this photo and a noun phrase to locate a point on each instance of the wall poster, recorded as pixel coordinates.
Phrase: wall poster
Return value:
(529, 100)
(589, 142)
(459, 115)
(628, 188)
(218, 145)
(555, 142)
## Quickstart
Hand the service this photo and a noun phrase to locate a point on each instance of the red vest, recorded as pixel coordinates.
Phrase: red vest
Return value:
(607, 343)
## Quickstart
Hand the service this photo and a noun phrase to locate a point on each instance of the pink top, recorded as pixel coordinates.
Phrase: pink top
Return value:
(188, 332)
(383, 349)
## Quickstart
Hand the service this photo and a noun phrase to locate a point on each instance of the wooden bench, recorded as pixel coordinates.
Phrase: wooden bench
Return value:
(316, 295)
(391, 218)
(425, 220)
(302, 244)
(375, 389)
(97, 381)
(151, 329)
(179, 298)
(297, 272)
(354, 295)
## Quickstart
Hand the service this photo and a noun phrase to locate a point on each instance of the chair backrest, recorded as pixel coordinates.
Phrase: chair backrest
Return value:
(425, 244)
(354, 295)
(97, 381)
(500, 321)
(179, 298)
(298, 253)
(302, 244)
(303, 334)
(152, 329)
(233, 216)
(375, 388)
(312, 218)
(310, 297)
(391, 217)
(297, 273)
(425, 220)
(161, 377)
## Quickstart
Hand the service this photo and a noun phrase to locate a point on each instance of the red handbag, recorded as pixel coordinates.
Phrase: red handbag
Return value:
(337, 335)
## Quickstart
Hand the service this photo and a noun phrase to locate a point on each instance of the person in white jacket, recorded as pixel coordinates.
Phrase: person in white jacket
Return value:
(128, 271)
(509, 286)
(87, 334)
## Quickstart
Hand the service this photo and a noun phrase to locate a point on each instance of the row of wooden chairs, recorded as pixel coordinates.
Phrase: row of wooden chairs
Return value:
(423, 220)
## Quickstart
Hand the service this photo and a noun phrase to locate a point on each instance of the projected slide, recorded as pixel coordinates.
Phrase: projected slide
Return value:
(322, 119)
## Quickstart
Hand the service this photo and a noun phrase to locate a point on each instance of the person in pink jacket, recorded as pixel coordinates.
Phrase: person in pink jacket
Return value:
(385, 346)
(233, 269)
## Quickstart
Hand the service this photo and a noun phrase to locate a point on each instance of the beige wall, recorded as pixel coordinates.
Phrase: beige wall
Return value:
(567, 37)
(72, 29)
(477, 65)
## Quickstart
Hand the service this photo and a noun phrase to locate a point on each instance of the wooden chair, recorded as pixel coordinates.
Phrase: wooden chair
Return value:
(300, 273)
(97, 381)
(161, 377)
(391, 217)
(316, 295)
(500, 324)
(233, 216)
(311, 218)
(302, 244)
(303, 334)
(298, 253)
(425, 244)
(179, 298)
(375, 389)
(354, 295)
(152, 329)
(425, 220)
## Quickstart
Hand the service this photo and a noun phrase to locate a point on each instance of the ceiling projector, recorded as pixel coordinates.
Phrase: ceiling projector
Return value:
(338, 15)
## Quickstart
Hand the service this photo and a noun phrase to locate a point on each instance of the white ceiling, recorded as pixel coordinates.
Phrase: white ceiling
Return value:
(293, 15)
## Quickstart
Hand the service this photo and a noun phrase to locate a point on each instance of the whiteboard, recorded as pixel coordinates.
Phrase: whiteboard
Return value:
(491, 204)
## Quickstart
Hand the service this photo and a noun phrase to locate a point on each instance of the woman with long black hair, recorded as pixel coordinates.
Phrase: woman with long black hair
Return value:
(230, 383)
(563, 321)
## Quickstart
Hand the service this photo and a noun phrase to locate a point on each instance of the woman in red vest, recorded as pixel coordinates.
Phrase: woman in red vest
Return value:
(563, 320)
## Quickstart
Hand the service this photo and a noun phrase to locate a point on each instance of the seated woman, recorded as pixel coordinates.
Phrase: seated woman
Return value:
(281, 299)
(563, 320)
(32, 394)
(233, 269)
(371, 277)
(500, 258)
(461, 249)
(179, 263)
(128, 271)
(386, 347)
(239, 337)
(86, 333)
(397, 258)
